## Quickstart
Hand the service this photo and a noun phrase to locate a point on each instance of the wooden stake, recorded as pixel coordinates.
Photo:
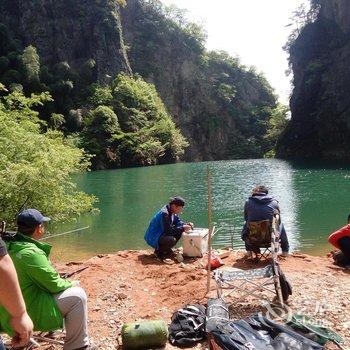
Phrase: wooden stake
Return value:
(210, 229)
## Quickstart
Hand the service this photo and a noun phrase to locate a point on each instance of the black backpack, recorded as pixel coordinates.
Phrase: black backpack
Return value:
(187, 325)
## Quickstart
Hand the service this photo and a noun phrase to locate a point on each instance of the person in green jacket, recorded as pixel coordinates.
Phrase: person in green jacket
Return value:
(50, 299)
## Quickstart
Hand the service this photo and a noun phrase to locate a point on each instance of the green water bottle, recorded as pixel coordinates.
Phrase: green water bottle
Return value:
(144, 334)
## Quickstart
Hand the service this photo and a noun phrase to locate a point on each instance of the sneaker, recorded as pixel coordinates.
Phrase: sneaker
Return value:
(168, 261)
(285, 254)
(164, 255)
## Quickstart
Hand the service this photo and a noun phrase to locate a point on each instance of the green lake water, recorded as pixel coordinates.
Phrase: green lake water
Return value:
(314, 201)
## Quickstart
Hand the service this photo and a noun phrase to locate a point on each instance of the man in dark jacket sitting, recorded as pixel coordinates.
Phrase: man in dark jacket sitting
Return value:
(260, 206)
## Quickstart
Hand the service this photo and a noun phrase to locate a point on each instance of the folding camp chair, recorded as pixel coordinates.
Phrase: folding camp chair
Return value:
(251, 282)
(263, 237)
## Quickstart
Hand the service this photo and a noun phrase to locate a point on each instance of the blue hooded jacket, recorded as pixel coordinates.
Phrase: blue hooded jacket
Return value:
(260, 206)
(163, 223)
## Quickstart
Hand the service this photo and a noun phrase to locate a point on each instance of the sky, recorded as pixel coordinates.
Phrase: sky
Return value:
(253, 30)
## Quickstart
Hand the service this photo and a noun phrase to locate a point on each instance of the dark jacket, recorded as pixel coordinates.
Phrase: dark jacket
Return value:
(163, 223)
(260, 206)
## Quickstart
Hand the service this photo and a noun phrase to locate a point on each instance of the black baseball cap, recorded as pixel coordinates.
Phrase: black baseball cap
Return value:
(31, 218)
(177, 201)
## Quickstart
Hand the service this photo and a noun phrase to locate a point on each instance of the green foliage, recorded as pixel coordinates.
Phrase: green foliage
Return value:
(74, 119)
(135, 130)
(315, 67)
(57, 120)
(86, 72)
(211, 92)
(242, 96)
(99, 131)
(136, 103)
(3, 87)
(277, 123)
(11, 76)
(63, 70)
(121, 3)
(301, 17)
(30, 60)
(242, 147)
(102, 95)
(35, 167)
(139, 148)
(226, 92)
(140, 110)
(194, 35)
(4, 63)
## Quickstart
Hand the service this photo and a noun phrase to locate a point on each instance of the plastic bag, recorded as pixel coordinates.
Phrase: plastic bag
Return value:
(215, 261)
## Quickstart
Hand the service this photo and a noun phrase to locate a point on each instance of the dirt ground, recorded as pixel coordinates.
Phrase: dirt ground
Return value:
(132, 285)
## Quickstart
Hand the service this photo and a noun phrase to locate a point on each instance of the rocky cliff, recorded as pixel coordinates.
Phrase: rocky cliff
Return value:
(220, 106)
(320, 103)
(190, 83)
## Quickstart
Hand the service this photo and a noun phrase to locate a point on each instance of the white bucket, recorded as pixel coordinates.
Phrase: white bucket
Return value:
(195, 242)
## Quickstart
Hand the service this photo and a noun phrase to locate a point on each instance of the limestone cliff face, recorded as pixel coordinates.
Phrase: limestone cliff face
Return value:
(320, 103)
(189, 86)
(219, 108)
(67, 31)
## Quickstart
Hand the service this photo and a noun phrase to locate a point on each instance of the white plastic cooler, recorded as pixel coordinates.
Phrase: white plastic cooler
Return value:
(195, 242)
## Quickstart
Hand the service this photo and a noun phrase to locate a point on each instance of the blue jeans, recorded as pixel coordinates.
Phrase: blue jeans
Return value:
(283, 239)
(2, 346)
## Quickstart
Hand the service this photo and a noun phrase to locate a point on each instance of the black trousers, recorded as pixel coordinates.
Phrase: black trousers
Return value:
(344, 244)
(165, 243)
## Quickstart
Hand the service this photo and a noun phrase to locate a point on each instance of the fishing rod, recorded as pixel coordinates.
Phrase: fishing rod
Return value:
(3, 232)
(64, 233)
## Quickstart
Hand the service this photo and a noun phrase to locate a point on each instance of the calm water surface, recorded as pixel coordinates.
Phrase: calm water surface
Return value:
(313, 200)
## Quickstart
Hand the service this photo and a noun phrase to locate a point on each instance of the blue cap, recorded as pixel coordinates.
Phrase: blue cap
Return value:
(31, 218)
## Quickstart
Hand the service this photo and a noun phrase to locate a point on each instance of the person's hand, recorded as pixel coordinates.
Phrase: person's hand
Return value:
(187, 228)
(191, 224)
(23, 327)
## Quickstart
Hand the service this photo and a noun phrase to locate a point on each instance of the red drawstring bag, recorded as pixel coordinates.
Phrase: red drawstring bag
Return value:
(215, 261)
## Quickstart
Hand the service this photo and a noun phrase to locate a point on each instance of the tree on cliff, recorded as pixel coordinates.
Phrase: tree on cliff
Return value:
(100, 128)
(30, 60)
(135, 129)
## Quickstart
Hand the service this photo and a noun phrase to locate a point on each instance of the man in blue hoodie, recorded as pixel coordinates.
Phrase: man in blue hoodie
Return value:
(166, 228)
(260, 206)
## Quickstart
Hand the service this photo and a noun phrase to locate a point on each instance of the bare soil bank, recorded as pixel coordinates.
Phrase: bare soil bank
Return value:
(131, 285)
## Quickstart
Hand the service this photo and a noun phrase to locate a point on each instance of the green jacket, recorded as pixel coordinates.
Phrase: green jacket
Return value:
(38, 281)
